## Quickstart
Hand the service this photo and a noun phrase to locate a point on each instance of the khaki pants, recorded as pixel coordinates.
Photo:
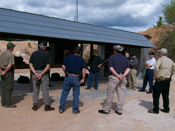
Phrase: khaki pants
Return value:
(44, 85)
(132, 78)
(114, 84)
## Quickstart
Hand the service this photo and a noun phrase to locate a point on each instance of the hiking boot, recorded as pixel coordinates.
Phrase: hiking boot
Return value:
(49, 108)
(34, 108)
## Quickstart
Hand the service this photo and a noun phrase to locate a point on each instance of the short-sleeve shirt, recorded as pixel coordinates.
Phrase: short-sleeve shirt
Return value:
(6, 58)
(152, 62)
(118, 62)
(74, 64)
(40, 59)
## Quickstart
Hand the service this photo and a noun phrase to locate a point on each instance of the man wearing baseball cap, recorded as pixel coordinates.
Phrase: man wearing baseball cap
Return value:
(7, 76)
(119, 67)
(39, 64)
(150, 64)
(163, 71)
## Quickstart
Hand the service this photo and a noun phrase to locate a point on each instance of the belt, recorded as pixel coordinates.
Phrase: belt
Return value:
(73, 75)
(149, 69)
(132, 68)
(120, 73)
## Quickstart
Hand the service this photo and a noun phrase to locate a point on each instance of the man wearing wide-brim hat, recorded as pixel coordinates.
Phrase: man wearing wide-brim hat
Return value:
(119, 67)
(163, 71)
(7, 76)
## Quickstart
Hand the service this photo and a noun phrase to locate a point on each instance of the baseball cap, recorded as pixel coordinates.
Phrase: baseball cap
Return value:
(118, 47)
(10, 45)
(163, 50)
(43, 43)
(95, 50)
(151, 53)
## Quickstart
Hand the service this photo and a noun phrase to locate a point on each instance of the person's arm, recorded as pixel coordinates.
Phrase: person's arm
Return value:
(64, 68)
(83, 75)
(156, 69)
(7, 69)
(134, 62)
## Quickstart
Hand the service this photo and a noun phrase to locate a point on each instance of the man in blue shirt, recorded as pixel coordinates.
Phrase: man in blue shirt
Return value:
(73, 65)
(119, 67)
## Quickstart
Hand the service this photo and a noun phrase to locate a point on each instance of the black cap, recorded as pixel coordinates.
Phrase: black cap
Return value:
(151, 53)
(43, 43)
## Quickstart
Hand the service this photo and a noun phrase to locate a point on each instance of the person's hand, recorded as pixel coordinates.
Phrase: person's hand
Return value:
(121, 77)
(38, 76)
(2, 73)
(82, 81)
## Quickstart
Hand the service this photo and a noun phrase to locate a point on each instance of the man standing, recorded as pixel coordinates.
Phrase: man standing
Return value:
(73, 65)
(39, 64)
(95, 63)
(132, 79)
(150, 64)
(7, 76)
(119, 67)
(163, 71)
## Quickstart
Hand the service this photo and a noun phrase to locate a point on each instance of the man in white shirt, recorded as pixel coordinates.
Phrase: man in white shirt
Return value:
(150, 64)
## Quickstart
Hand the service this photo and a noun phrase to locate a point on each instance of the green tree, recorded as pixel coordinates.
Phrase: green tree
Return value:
(169, 12)
(159, 22)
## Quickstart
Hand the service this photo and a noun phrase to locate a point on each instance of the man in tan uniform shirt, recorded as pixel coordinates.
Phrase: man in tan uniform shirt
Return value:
(164, 68)
(7, 76)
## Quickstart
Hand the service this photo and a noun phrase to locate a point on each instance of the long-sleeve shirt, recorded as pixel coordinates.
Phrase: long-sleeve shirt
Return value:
(133, 63)
(164, 68)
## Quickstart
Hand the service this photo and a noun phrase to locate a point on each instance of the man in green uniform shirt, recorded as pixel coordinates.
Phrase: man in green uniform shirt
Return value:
(7, 76)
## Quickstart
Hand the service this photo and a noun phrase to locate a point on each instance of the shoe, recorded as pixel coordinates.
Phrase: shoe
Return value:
(101, 111)
(3, 105)
(87, 88)
(152, 111)
(96, 88)
(141, 90)
(163, 110)
(50, 85)
(118, 113)
(76, 112)
(61, 110)
(149, 92)
(129, 87)
(49, 108)
(134, 88)
(10, 106)
(34, 108)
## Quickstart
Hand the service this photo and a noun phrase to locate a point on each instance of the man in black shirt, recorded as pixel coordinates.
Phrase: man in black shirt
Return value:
(95, 63)
(39, 64)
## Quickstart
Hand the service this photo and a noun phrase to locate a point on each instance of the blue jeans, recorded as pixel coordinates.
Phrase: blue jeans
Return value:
(90, 79)
(148, 77)
(70, 81)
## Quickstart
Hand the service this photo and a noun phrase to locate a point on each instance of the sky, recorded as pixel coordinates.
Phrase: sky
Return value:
(129, 15)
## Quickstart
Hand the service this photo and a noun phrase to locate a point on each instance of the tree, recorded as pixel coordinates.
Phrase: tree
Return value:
(159, 22)
(169, 12)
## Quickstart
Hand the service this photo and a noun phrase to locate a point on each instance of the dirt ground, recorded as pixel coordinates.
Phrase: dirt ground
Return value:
(135, 114)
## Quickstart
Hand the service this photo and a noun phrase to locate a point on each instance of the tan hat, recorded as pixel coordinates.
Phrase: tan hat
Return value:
(118, 47)
(163, 51)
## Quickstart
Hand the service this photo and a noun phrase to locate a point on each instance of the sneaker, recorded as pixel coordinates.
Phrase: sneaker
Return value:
(152, 111)
(102, 112)
(10, 106)
(87, 88)
(118, 112)
(61, 110)
(34, 108)
(76, 112)
(49, 108)
(163, 110)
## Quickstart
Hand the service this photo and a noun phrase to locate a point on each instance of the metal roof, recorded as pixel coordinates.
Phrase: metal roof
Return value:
(16, 22)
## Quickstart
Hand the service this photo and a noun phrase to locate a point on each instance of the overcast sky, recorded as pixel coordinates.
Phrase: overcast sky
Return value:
(130, 15)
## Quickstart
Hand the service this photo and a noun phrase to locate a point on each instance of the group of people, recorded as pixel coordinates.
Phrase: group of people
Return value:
(74, 65)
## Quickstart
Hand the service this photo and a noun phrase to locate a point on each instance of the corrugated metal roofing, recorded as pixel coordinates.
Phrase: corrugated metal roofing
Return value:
(23, 23)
